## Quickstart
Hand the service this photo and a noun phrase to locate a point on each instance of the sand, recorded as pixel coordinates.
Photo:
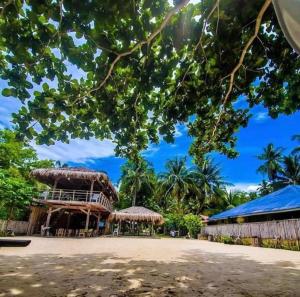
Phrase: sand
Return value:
(146, 267)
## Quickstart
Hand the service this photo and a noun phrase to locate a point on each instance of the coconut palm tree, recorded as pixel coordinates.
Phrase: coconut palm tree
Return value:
(59, 164)
(207, 176)
(290, 174)
(265, 188)
(272, 157)
(135, 176)
(176, 180)
(296, 150)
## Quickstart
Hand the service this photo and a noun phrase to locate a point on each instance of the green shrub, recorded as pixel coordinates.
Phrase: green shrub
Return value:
(225, 239)
(174, 221)
(270, 243)
(246, 241)
(193, 224)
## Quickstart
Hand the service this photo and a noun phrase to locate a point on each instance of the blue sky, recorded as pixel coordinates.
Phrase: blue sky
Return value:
(240, 171)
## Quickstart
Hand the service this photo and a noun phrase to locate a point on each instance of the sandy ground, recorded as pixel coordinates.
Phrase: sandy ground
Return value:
(146, 267)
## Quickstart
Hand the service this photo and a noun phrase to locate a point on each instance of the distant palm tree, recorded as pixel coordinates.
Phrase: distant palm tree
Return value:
(59, 164)
(291, 170)
(296, 150)
(231, 199)
(272, 157)
(134, 176)
(209, 180)
(234, 198)
(176, 181)
(265, 188)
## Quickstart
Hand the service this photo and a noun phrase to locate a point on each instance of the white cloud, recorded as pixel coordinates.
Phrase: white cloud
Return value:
(77, 150)
(179, 128)
(246, 187)
(151, 150)
(261, 116)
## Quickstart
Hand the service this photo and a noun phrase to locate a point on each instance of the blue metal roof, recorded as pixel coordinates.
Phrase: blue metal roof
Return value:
(286, 199)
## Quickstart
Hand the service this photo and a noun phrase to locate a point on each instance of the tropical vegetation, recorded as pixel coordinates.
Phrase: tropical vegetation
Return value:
(17, 188)
(281, 170)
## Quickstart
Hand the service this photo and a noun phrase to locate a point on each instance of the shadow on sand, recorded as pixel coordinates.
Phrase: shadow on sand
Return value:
(194, 274)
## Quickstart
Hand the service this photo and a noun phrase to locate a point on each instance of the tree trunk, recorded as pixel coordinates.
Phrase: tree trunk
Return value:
(134, 194)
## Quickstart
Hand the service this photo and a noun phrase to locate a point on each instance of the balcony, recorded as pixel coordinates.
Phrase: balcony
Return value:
(76, 197)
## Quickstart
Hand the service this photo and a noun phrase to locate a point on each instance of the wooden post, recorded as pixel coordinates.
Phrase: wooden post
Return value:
(48, 217)
(69, 219)
(48, 220)
(92, 189)
(87, 220)
(54, 188)
(33, 219)
(98, 221)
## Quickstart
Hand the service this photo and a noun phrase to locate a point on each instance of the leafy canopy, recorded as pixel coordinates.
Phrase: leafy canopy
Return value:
(132, 70)
(17, 188)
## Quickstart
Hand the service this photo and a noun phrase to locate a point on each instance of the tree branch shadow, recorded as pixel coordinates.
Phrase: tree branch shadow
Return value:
(194, 274)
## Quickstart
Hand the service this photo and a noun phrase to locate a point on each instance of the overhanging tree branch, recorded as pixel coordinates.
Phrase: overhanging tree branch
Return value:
(240, 63)
(199, 43)
(119, 56)
(164, 23)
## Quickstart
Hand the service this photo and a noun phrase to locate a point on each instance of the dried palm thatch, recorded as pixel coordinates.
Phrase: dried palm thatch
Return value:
(75, 177)
(137, 214)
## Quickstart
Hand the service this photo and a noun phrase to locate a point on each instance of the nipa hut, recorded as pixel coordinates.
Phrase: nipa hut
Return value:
(75, 202)
(135, 217)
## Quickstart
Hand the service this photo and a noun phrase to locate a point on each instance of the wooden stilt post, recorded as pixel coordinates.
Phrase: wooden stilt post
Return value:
(69, 219)
(98, 221)
(48, 220)
(48, 217)
(87, 220)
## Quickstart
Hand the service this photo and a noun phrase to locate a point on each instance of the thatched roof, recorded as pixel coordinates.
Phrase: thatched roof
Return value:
(137, 214)
(75, 178)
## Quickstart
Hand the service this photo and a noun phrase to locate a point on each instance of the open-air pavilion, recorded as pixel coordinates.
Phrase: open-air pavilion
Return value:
(135, 220)
(78, 198)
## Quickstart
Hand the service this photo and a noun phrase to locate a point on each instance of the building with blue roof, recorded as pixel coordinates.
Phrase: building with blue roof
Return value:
(282, 204)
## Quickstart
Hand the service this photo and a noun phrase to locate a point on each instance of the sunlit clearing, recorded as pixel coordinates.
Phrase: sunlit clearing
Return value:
(135, 283)
(15, 291)
(36, 285)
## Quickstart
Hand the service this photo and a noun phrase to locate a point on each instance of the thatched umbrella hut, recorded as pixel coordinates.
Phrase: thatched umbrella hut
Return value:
(136, 214)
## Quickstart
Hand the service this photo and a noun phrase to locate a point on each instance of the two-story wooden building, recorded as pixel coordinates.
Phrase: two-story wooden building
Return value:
(76, 199)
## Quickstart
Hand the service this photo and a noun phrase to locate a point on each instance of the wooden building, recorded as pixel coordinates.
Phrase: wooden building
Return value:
(276, 215)
(77, 199)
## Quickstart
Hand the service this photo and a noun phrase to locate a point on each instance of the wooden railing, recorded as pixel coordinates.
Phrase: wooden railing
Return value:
(77, 195)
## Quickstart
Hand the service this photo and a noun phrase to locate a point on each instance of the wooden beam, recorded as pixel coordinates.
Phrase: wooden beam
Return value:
(86, 212)
(56, 209)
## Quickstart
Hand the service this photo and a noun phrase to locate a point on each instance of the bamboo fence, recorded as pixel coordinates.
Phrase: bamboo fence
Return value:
(18, 227)
(284, 229)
